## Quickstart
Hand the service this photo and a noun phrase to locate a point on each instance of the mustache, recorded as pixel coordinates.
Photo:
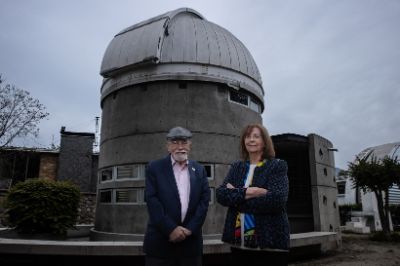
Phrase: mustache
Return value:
(180, 156)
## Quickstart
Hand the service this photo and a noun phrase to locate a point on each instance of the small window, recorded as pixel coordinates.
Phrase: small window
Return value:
(243, 98)
(182, 85)
(341, 187)
(106, 174)
(209, 170)
(255, 106)
(239, 97)
(134, 195)
(125, 171)
(105, 196)
(135, 171)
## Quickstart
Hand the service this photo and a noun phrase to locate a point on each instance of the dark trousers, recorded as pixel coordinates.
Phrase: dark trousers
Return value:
(174, 261)
(258, 257)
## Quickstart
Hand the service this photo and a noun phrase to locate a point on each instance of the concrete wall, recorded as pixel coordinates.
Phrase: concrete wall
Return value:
(324, 189)
(350, 196)
(135, 121)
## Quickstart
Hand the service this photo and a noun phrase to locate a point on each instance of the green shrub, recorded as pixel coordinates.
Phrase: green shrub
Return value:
(42, 206)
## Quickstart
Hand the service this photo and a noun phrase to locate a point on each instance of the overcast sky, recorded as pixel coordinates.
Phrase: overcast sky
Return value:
(328, 67)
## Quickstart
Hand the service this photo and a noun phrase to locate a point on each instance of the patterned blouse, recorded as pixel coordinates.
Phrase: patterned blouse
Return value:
(266, 216)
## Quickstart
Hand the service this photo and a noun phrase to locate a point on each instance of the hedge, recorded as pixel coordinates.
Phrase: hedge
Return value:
(42, 206)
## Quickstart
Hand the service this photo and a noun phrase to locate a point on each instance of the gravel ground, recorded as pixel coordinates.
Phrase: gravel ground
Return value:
(358, 250)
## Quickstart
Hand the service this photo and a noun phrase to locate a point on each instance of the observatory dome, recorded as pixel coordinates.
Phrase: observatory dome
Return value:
(178, 45)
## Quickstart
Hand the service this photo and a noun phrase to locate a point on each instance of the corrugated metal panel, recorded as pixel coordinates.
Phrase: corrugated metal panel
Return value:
(213, 43)
(234, 60)
(148, 43)
(190, 51)
(394, 195)
(132, 40)
(202, 42)
(183, 41)
(133, 46)
(111, 56)
(224, 58)
(242, 54)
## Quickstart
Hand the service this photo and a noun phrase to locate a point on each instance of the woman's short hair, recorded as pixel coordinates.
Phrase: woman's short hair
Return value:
(269, 151)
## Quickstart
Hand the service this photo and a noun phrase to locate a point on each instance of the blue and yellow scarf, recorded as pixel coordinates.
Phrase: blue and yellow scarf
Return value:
(250, 234)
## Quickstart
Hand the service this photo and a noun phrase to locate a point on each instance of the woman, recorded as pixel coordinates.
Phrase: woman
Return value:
(255, 191)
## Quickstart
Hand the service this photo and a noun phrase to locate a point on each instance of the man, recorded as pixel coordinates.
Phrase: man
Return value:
(177, 196)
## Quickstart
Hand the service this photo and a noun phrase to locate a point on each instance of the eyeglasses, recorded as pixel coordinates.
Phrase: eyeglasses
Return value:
(179, 142)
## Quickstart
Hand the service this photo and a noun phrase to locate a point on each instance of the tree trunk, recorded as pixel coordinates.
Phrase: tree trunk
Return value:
(382, 213)
(387, 209)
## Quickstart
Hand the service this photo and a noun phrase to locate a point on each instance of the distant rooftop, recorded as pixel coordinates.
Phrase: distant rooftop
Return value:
(391, 150)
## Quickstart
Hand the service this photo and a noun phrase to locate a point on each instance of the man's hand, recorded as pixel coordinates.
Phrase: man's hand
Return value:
(179, 234)
(253, 192)
(186, 231)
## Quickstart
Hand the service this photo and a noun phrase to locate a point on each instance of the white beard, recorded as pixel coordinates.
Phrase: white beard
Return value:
(180, 157)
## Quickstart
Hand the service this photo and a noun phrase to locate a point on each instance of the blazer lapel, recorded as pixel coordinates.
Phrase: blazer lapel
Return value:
(192, 174)
(169, 175)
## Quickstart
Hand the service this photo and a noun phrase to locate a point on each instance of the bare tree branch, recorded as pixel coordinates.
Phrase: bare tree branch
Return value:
(20, 113)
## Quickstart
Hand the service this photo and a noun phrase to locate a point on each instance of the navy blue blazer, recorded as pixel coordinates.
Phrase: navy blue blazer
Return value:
(164, 208)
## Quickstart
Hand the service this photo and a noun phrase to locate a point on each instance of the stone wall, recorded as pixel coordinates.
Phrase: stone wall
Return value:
(87, 208)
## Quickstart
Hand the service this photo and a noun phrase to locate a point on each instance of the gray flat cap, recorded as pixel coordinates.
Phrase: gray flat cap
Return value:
(179, 133)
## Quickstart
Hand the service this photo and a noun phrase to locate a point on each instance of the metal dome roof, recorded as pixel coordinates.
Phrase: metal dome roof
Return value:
(391, 150)
(178, 45)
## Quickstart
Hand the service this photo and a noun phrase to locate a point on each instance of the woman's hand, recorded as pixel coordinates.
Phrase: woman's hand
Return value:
(251, 192)
(230, 186)
(254, 192)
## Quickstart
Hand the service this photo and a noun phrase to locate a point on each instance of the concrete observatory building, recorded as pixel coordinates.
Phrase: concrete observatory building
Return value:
(176, 69)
